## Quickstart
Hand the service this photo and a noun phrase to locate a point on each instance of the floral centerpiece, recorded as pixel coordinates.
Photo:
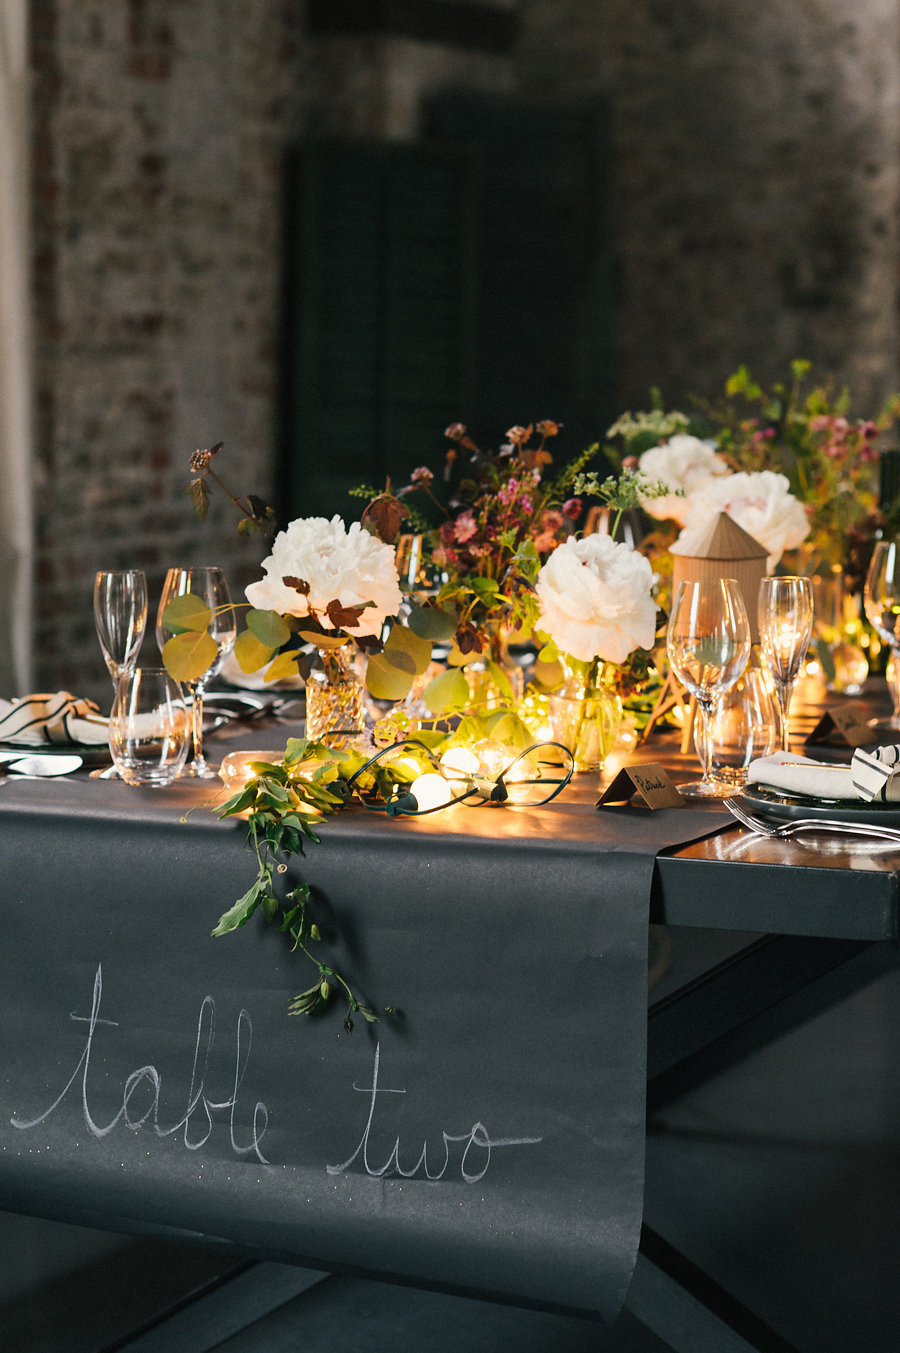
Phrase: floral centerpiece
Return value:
(499, 516)
(595, 607)
(331, 587)
(789, 464)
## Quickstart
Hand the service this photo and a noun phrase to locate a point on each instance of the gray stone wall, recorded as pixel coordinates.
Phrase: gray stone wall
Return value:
(754, 198)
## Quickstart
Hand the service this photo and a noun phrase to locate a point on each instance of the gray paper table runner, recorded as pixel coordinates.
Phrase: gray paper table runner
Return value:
(487, 1137)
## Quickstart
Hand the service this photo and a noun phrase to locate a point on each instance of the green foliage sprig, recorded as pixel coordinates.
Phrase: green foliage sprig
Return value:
(283, 807)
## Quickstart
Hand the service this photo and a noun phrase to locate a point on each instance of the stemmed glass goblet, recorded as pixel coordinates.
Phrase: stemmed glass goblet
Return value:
(708, 643)
(785, 616)
(120, 614)
(209, 587)
(881, 599)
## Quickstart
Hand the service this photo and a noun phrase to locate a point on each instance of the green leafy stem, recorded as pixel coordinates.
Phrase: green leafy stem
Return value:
(283, 806)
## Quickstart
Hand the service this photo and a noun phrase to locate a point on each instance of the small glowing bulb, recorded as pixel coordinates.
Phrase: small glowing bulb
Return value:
(431, 791)
(460, 760)
(235, 768)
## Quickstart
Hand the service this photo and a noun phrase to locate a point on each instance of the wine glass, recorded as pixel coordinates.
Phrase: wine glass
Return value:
(785, 628)
(208, 585)
(892, 677)
(708, 642)
(743, 726)
(148, 727)
(881, 598)
(120, 614)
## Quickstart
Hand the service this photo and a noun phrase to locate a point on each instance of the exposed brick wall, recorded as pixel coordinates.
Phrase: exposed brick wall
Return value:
(159, 131)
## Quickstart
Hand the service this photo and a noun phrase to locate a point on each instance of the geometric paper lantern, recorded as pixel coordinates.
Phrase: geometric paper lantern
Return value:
(725, 550)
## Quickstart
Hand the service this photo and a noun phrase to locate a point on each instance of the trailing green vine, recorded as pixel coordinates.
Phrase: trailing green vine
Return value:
(284, 806)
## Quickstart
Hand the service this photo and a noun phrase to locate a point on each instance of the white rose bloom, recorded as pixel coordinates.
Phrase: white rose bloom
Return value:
(760, 502)
(595, 599)
(352, 567)
(683, 462)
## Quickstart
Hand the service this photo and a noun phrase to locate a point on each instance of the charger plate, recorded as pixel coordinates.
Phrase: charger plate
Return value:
(91, 753)
(775, 805)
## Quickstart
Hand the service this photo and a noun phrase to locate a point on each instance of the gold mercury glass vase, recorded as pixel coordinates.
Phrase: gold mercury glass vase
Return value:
(586, 715)
(335, 699)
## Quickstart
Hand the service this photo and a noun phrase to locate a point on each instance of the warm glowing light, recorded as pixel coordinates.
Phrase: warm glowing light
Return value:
(493, 757)
(461, 760)
(408, 764)
(235, 768)
(431, 791)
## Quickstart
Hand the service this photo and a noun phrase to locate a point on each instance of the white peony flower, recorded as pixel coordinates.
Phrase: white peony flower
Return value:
(683, 462)
(760, 502)
(595, 599)
(352, 567)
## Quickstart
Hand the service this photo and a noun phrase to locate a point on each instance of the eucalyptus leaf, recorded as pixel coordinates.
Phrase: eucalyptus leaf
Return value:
(322, 640)
(404, 640)
(450, 690)
(282, 668)
(389, 676)
(187, 656)
(185, 613)
(269, 628)
(456, 658)
(432, 623)
(250, 654)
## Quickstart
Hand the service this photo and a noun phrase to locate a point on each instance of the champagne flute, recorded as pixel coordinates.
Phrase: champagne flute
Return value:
(881, 599)
(120, 614)
(708, 642)
(208, 585)
(785, 629)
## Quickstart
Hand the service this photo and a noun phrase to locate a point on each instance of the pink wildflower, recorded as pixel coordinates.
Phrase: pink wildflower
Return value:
(464, 528)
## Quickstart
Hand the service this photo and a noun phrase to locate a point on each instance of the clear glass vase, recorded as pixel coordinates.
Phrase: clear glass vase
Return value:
(586, 715)
(495, 679)
(335, 698)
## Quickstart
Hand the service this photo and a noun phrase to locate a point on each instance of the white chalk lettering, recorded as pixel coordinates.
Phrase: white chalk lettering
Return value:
(197, 1121)
(477, 1140)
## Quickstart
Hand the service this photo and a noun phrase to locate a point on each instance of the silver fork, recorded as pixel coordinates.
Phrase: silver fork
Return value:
(809, 824)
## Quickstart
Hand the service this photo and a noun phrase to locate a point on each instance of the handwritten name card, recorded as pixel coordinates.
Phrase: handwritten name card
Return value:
(649, 782)
(848, 722)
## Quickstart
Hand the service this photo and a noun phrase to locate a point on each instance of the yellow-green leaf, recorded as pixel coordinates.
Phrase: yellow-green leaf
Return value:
(250, 653)
(186, 614)
(282, 668)
(457, 659)
(321, 640)
(449, 690)
(433, 623)
(404, 640)
(187, 656)
(389, 675)
(269, 628)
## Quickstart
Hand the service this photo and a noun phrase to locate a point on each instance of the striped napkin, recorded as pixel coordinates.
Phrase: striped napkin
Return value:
(872, 775)
(60, 718)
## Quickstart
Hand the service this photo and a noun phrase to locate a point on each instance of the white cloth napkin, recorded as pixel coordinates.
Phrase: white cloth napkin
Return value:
(60, 718)
(871, 775)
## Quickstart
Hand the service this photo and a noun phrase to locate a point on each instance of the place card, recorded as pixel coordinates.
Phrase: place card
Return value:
(649, 781)
(850, 722)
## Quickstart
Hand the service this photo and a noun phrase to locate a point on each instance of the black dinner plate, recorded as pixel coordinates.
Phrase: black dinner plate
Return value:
(778, 806)
(91, 753)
